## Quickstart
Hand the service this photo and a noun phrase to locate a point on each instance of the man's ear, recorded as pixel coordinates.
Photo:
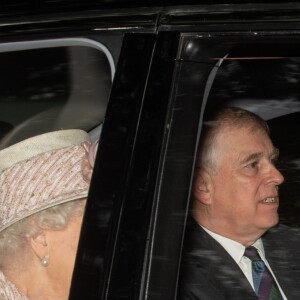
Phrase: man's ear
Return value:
(202, 186)
(39, 245)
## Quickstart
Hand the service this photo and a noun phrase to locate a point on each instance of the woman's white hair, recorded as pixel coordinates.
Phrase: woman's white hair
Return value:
(14, 239)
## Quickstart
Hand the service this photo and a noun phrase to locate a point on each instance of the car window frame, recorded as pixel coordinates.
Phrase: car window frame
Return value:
(59, 42)
(164, 271)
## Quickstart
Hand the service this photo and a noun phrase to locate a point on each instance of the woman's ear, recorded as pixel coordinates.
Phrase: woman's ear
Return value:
(202, 187)
(39, 245)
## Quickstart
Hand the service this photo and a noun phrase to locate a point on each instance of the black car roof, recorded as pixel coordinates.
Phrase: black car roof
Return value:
(34, 7)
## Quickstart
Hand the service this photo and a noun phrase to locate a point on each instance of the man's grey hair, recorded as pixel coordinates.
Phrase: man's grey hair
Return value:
(229, 117)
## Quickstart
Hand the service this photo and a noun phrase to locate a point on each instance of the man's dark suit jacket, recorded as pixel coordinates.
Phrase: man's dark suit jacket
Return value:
(210, 273)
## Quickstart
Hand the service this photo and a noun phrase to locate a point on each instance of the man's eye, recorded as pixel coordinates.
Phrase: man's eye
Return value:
(252, 165)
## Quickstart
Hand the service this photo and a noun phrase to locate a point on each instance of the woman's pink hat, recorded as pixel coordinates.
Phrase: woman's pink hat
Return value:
(44, 171)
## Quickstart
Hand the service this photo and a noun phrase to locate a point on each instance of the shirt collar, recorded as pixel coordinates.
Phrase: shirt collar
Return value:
(235, 249)
(260, 247)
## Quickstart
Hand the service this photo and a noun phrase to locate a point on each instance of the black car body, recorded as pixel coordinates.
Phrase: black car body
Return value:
(161, 65)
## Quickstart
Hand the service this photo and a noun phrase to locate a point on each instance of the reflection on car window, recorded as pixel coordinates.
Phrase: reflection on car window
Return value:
(265, 79)
(52, 88)
(262, 78)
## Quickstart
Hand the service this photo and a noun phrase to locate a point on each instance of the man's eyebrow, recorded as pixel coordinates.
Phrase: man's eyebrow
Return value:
(252, 156)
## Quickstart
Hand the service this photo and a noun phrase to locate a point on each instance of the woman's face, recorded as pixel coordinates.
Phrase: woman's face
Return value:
(62, 251)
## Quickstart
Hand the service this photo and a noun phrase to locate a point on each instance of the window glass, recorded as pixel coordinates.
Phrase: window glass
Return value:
(261, 76)
(47, 86)
(54, 87)
(265, 79)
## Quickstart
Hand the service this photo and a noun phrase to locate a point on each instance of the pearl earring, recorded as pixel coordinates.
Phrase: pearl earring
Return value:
(45, 262)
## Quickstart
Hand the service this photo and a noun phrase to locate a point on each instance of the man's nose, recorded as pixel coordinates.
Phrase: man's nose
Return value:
(275, 175)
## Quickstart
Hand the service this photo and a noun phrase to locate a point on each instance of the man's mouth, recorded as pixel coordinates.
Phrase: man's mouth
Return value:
(270, 200)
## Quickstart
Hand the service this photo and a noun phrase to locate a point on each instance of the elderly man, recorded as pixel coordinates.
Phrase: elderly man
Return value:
(234, 248)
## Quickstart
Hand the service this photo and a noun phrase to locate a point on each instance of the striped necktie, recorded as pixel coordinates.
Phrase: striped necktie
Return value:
(264, 283)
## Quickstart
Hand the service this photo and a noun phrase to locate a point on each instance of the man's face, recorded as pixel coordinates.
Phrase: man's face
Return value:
(244, 190)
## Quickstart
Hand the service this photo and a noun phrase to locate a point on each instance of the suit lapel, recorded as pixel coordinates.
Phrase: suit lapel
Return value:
(211, 273)
(219, 268)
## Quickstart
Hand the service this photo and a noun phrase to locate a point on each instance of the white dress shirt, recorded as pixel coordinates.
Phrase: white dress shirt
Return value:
(236, 251)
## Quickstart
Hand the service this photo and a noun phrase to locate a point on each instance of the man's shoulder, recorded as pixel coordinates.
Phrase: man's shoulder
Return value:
(208, 271)
(283, 238)
(283, 231)
(197, 238)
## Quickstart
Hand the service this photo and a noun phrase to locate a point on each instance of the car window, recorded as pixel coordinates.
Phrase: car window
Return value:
(259, 76)
(264, 78)
(52, 84)
(49, 85)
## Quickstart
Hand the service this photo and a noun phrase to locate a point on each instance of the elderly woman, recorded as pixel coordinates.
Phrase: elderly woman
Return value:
(44, 183)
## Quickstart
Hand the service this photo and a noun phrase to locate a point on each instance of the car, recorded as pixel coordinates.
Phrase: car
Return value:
(141, 75)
